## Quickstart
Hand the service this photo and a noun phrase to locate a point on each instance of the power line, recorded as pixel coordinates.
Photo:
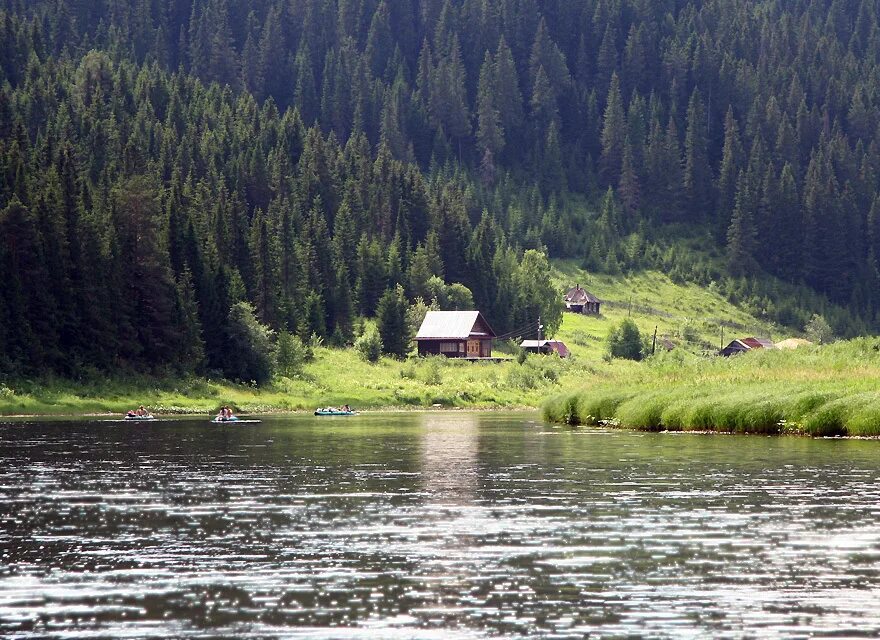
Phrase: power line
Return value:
(530, 328)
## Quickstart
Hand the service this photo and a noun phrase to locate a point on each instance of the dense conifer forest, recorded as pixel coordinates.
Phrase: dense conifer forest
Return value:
(174, 174)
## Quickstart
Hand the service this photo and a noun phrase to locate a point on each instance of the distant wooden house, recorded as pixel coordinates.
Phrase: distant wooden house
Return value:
(579, 300)
(546, 347)
(742, 345)
(455, 334)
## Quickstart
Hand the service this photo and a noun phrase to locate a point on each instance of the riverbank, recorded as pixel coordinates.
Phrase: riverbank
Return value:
(818, 391)
(334, 377)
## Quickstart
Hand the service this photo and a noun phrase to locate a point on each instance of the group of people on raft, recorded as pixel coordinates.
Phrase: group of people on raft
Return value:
(344, 409)
(225, 414)
(140, 412)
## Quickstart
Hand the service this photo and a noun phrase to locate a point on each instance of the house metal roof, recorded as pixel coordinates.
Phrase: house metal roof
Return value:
(556, 345)
(747, 344)
(576, 295)
(453, 325)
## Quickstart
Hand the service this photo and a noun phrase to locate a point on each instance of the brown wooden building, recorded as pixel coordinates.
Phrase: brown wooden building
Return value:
(455, 334)
(743, 345)
(546, 347)
(579, 300)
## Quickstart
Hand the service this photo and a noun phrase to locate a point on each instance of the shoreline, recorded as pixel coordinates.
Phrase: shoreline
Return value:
(274, 412)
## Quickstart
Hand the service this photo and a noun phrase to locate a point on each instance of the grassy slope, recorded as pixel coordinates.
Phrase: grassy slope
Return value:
(703, 310)
(831, 390)
(339, 376)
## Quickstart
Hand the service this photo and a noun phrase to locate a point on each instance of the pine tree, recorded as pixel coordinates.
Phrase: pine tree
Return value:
(741, 235)
(697, 173)
(731, 164)
(506, 90)
(613, 135)
(490, 133)
(391, 320)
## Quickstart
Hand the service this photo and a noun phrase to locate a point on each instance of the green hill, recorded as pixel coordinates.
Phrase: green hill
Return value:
(688, 314)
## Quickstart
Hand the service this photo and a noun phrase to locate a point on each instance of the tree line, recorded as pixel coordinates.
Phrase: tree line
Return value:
(308, 155)
(148, 221)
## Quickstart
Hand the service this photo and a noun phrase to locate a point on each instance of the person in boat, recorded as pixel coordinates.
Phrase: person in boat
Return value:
(346, 408)
(131, 414)
(141, 412)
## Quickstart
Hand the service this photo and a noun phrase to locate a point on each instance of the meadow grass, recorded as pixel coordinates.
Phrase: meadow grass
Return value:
(821, 391)
(832, 390)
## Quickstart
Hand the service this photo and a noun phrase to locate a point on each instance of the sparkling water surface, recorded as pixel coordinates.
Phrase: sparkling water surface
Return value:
(433, 525)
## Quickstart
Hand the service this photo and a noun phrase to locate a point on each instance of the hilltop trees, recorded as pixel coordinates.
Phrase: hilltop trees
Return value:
(161, 162)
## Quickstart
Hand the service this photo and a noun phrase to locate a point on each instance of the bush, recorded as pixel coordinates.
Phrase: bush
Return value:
(433, 376)
(625, 341)
(369, 344)
(291, 354)
(818, 330)
(250, 352)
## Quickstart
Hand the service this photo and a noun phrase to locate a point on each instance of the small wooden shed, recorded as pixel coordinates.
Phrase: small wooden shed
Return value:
(743, 345)
(455, 334)
(546, 347)
(579, 300)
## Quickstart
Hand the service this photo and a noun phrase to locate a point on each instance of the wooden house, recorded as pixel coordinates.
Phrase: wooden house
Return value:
(546, 347)
(455, 334)
(579, 300)
(743, 345)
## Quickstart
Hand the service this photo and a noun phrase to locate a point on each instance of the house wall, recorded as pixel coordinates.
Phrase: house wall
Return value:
(448, 348)
(434, 348)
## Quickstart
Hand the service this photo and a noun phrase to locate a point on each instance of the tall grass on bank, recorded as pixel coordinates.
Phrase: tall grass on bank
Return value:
(820, 391)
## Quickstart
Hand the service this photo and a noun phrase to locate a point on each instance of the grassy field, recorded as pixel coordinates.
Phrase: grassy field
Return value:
(821, 391)
(690, 316)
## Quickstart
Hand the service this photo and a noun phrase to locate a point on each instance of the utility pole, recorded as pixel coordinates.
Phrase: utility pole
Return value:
(654, 342)
(722, 336)
(540, 326)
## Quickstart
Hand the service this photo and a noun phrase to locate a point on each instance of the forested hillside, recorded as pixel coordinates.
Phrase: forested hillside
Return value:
(163, 160)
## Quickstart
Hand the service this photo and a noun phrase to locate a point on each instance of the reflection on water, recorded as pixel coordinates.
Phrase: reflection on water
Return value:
(432, 526)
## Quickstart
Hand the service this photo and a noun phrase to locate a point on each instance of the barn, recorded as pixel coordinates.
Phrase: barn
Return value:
(743, 345)
(546, 347)
(579, 300)
(455, 334)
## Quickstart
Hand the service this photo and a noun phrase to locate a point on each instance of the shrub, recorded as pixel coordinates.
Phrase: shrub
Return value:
(369, 344)
(818, 330)
(433, 376)
(291, 354)
(625, 341)
(250, 352)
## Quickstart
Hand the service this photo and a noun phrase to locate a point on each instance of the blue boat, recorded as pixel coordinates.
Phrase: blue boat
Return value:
(235, 420)
(334, 412)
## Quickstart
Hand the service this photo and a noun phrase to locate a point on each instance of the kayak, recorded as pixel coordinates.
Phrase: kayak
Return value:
(138, 418)
(235, 420)
(334, 412)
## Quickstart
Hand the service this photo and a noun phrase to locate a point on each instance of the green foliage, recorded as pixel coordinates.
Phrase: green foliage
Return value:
(818, 330)
(823, 392)
(306, 156)
(369, 344)
(291, 354)
(250, 352)
(391, 316)
(433, 376)
(625, 341)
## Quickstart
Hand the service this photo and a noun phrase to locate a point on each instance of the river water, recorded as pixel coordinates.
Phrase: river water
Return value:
(434, 525)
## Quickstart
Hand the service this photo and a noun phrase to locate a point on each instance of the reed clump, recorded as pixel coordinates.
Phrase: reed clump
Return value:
(820, 391)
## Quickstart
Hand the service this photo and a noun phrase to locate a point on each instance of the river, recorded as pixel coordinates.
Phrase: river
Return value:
(432, 525)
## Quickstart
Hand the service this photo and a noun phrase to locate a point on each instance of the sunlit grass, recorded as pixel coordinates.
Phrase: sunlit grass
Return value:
(681, 390)
(823, 391)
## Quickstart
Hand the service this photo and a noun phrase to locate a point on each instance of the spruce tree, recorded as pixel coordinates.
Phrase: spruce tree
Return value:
(391, 320)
